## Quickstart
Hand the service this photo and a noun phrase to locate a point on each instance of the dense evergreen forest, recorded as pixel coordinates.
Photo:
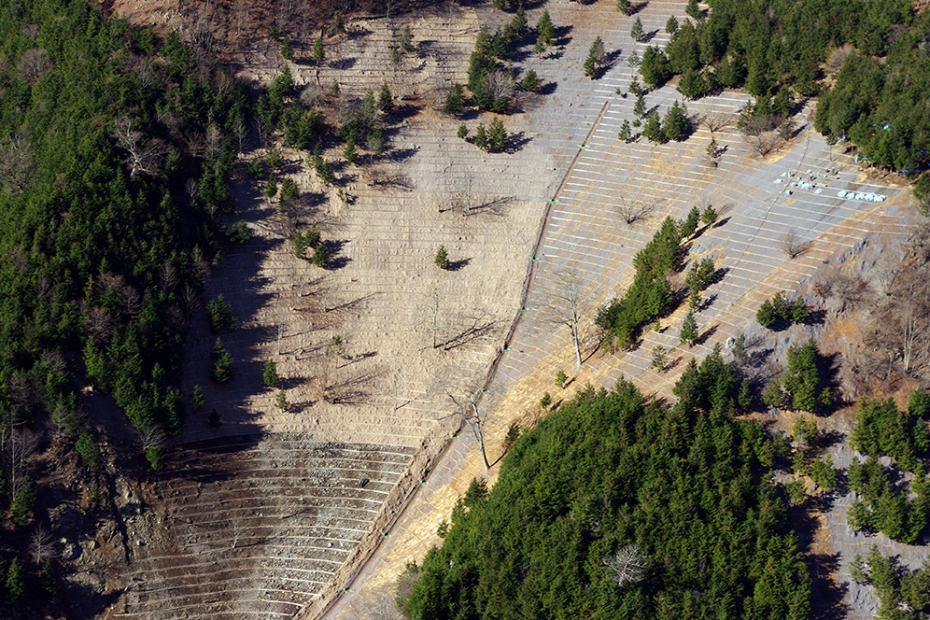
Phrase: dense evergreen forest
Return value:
(615, 507)
(113, 168)
(869, 62)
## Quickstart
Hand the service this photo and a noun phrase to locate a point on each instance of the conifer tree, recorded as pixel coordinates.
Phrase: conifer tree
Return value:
(637, 31)
(545, 31)
(624, 6)
(318, 54)
(689, 330)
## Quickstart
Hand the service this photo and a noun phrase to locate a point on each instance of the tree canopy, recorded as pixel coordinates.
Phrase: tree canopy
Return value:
(614, 507)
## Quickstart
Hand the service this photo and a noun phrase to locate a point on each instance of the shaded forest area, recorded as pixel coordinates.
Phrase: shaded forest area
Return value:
(113, 165)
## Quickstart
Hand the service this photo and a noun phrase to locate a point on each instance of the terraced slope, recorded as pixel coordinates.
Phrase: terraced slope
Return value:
(585, 237)
(254, 526)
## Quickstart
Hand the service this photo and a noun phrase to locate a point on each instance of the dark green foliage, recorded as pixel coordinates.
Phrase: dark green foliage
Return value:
(595, 60)
(685, 485)
(654, 67)
(271, 186)
(545, 401)
(270, 375)
(885, 508)
(454, 101)
(676, 125)
(518, 24)
(922, 192)
(708, 215)
(95, 225)
(882, 429)
(222, 363)
(154, 456)
(323, 168)
(744, 397)
(481, 137)
(824, 474)
(48, 580)
(701, 274)
(653, 128)
(15, 583)
(802, 379)
(214, 419)
(320, 256)
(441, 259)
(311, 238)
(671, 25)
(318, 54)
(799, 311)
(689, 226)
(624, 6)
(287, 50)
(898, 588)
(636, 31)
(497, 136)
(406, 40)
(463, 131)
(918, 403)
(545, 31)
(740, 355)
(625, 132)
(639, 108)
(513, 434)
(692, 84)
(238, 233)
(221, 317)
(560, 378)
(689, 329)
(530, 81)
(197, 398)
(290, 193)
(693, 10)
(650, 294)
(349, 152)
(300, 127)
(385, 99)
(281, 401)
(773, 395)
(778, 309)
(86, 446)
(23, 502)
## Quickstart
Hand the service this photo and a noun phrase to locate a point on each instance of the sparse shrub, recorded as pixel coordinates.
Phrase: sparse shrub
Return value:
(560, 379)
(154, 456)
(287, 50)
(545, 401)
(238, 233)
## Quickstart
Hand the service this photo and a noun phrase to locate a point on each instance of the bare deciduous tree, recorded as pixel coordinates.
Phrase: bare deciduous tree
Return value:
(627, 565)
(18, 445)
(716, 121)
(565, 308)
(143, 156)
(467, 410)
(150, 436)
(16, 162)
(41, 545)
(99, 324)
(499, 85)
(33, 64)
(633, 211)
(792, 244)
